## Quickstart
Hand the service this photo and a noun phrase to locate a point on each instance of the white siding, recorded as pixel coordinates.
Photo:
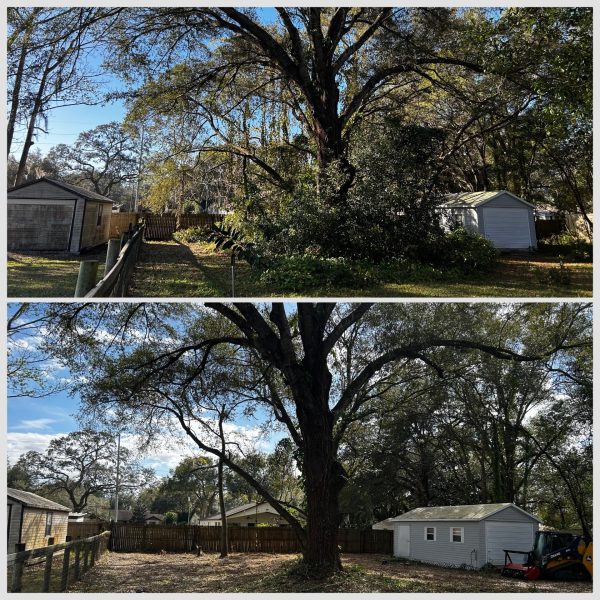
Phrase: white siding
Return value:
(507, 227)
(442, 550)
(500, 536)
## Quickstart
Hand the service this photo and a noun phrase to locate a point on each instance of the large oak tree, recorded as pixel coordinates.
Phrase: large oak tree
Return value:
(313, 370)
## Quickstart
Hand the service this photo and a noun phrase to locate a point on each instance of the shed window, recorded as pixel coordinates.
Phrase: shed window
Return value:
(48, 531)
(429, 534)
(457, 534)
(99, 218)
(458, 220)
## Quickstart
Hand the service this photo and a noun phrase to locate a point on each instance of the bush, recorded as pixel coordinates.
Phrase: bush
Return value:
(298, 273)
(192, 235)
(459, 250)
(567, 246)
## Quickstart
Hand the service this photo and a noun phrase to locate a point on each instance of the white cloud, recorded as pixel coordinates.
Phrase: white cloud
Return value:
(19, 443)
(34, 424)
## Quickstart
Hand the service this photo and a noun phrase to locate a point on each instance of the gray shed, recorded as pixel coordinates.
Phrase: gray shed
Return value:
(503, 218)
(471, 535)
(47, 214)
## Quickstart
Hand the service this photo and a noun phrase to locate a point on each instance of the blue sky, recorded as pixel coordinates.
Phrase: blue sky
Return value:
(33, 422)
(66, 123)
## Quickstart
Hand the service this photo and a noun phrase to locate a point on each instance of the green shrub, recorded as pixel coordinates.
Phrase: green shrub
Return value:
(191, 235)
(459, 251)
(298, 273)
(567, 246)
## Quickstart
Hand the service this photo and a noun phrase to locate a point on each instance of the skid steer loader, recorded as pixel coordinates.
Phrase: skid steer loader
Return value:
(555, 555)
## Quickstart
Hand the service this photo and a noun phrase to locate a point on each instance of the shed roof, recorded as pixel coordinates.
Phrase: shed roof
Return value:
(475, 199)
(465, 512)
(32, 500)
(236, 510)
(69, 187)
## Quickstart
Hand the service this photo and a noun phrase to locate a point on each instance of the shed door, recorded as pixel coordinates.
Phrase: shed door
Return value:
(507, 227)
(402, 541)
(33, 225)
(507, 536)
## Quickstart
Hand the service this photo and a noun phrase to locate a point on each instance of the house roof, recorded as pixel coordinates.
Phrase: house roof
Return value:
(75, 189)
(155, 516)
(234, 511)
(465, 512)
(475, 199)
(32, 500)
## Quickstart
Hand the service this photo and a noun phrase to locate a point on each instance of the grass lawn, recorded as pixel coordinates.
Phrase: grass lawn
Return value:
(181, 573)
(171, 269)
(47, 274)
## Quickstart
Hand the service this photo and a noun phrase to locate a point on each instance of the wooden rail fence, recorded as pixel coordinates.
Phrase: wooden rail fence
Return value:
(116, 282)
(162, 227)
(41, 579)
(131, 537)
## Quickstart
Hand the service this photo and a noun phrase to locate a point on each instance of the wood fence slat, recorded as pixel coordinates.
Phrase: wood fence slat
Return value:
(131, 537)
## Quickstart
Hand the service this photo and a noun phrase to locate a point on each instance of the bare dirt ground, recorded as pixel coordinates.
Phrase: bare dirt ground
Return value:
(178, 573)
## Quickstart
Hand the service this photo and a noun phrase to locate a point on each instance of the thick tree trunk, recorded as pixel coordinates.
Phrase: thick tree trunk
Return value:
(323, 475)
(324, 480)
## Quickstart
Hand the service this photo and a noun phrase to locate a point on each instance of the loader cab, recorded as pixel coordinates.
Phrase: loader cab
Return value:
(547, 542)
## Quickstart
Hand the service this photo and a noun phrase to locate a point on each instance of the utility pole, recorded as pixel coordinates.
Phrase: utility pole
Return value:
(139, 173)
(117, 481)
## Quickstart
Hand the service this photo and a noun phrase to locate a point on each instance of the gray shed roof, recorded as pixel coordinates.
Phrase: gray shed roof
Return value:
(235, 511)
(465, 512)
(75, 189)
(34, 501)
(475, 199)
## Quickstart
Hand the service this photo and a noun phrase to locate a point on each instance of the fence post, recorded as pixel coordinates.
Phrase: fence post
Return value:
(17, 577)
(86, 280)
(64, 578)
(77, 559)
(112, 253)
(47, 572)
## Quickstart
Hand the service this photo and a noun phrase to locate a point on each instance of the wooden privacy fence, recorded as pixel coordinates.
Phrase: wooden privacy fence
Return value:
(115, 282)
(131, 537)
(546, 227)
(162, 227)
(84, 529)
(55, 571)
(121, 222)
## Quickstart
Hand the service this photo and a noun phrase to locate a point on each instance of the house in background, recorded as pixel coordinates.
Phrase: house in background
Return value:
(501, 217)
(75, 517)
(247, 515)
(471, 535)
(52, 215)
(34, 522)
(386, 524)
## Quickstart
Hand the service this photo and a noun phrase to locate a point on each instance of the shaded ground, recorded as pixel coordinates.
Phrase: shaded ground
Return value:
(172, 269)
(178, 573)
(47, 274)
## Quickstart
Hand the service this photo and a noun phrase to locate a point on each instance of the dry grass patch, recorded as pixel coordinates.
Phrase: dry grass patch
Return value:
(256, 572)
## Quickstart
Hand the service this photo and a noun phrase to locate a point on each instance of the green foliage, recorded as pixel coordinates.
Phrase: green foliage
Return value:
(192, 235)
(306, 272)
(567, 246)
(459, 250)
(170, 518)
(139, 513)
(228, 237)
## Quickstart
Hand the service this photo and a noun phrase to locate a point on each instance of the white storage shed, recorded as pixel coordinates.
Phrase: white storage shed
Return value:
(467, 535)
(503, 218)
